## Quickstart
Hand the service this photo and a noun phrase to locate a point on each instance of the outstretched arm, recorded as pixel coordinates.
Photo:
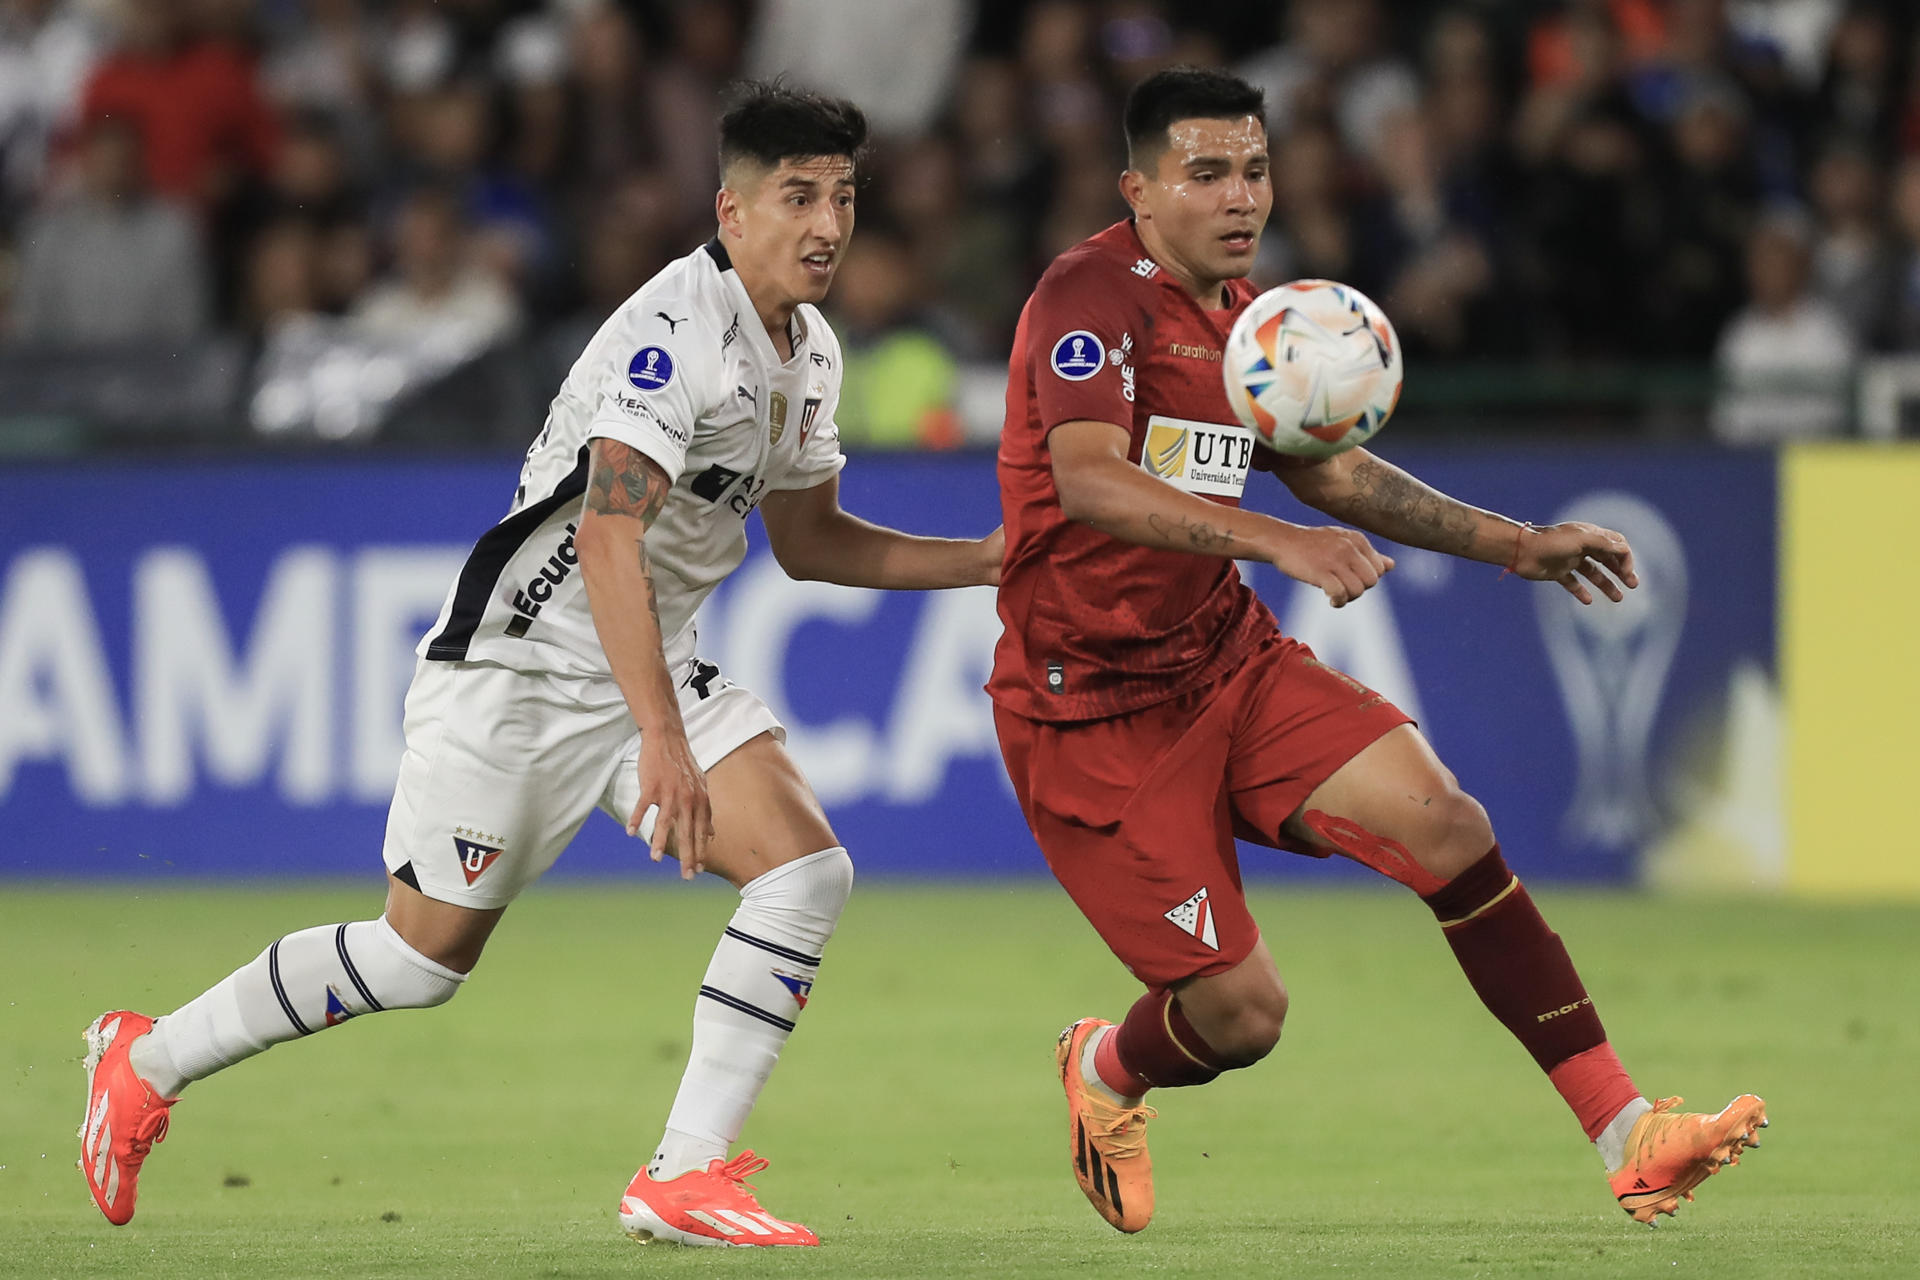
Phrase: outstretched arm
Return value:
(1099, 487)
(1373, 494)
(813, 538)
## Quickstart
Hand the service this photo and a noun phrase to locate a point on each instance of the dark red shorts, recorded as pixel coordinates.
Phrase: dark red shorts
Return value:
(1137, 814)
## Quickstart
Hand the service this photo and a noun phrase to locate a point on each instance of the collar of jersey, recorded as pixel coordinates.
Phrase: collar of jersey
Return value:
(796, 327)
(1163, 277)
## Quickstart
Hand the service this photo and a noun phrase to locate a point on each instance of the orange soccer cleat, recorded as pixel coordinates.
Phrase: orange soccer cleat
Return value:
(711, 1206)
(1669, 1153)
(1108, 1142)
(125, 1117)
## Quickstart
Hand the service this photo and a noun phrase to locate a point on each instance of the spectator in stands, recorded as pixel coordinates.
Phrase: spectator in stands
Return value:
(439, 307)
(1899, 329)
(1852, 261)
(898, 389)
(1334, 65)
(1434, 268)
(112, 263)
(1709, 196)
(47, 52)
(897, 59)
(195, 99)
(1785, 363)
(1859, 95)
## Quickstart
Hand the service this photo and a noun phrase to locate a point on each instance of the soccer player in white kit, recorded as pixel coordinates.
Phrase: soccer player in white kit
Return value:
(562, 676)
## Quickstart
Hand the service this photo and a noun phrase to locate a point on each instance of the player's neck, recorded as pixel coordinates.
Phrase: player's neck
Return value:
(1204, 290)
(776, 317)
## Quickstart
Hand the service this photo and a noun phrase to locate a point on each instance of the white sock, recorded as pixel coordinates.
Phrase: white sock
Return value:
(759, 979)
(1612, 1142)
(1090, 1075)
(305, 982)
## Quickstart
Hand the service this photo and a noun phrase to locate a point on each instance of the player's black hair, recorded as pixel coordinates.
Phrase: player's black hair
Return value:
(1184, 93)
(770, 122)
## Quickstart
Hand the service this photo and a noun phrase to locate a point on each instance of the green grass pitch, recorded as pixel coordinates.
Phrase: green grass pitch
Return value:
(915, 1122)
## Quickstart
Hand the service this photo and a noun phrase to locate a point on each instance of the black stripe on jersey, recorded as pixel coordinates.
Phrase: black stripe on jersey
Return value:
(751, 1010)
(798, 957)
(489, 559)
(718, 252)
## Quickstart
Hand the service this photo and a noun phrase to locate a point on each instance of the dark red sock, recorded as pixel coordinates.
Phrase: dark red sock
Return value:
(1595, 1085)
(1523, 975)
(1157, 1045)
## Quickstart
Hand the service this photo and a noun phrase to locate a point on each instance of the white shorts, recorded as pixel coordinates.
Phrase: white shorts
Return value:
(503, 766)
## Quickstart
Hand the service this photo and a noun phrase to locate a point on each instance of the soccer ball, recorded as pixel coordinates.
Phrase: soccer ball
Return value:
(1312, 368)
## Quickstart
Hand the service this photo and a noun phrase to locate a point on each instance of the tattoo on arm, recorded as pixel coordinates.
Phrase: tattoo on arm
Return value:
(1198, 536)
(653, 599)
(625, 482)
(1393, 504)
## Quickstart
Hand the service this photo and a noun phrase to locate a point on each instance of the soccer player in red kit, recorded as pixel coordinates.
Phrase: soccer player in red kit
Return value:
(1149, 710)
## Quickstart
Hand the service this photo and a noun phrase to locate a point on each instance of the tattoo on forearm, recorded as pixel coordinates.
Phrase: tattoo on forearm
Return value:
(625, 482)
(1198, 536)
(653, 599)
(1393, 504)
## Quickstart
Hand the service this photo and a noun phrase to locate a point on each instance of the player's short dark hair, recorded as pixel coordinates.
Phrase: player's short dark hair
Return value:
(770, 122)
(1184, 93)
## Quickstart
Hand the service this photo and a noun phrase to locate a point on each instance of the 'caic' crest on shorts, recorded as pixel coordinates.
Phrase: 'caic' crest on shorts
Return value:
(1195, 916)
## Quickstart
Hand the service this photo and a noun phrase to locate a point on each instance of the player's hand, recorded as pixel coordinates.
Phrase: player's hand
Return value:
(993, 549)
(674, 788)
(1341, 562)
(1569, 552)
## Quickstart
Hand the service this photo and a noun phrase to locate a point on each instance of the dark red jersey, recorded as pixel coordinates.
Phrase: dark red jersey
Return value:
(1095, 626)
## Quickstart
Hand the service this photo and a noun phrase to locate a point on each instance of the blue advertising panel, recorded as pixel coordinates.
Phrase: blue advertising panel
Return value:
(202, 666)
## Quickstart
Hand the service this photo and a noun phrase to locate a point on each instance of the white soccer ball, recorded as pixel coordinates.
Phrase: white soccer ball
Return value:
(1312, 368)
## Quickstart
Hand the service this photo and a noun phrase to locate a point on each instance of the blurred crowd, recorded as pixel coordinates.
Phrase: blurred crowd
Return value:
(372, 192)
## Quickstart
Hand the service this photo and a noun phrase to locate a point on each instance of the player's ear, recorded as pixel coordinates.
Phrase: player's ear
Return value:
(1133, 189)
(726, 210)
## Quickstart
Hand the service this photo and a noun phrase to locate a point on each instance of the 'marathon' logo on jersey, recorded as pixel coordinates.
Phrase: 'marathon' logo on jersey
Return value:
(530, 599)
(1200, 457)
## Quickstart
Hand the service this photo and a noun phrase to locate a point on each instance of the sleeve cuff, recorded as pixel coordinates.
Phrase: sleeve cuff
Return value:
(671, 457)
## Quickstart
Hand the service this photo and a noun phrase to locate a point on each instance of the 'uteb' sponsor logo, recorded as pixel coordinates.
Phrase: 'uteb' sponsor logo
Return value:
(1199, 457)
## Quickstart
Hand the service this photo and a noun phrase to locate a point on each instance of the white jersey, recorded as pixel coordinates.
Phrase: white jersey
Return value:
(684, 372)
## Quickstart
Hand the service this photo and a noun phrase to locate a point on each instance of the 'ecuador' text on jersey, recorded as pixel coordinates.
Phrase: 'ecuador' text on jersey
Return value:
(1095, 626)
(684, 372)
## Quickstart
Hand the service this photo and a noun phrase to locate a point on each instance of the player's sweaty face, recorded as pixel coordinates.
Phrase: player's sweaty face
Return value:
(795, 225)
(1209, 195)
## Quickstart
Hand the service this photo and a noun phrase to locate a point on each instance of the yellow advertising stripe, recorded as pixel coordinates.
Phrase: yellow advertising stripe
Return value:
(1850, 666)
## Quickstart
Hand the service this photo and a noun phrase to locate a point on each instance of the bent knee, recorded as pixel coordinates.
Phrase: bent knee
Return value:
(1458, 834)
(1251, 1030)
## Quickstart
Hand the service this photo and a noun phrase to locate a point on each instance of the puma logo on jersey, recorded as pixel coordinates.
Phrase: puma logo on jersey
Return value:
(672, 324)
(748, 394)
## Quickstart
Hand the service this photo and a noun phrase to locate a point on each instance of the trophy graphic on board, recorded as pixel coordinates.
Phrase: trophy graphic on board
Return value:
(1611, 661)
